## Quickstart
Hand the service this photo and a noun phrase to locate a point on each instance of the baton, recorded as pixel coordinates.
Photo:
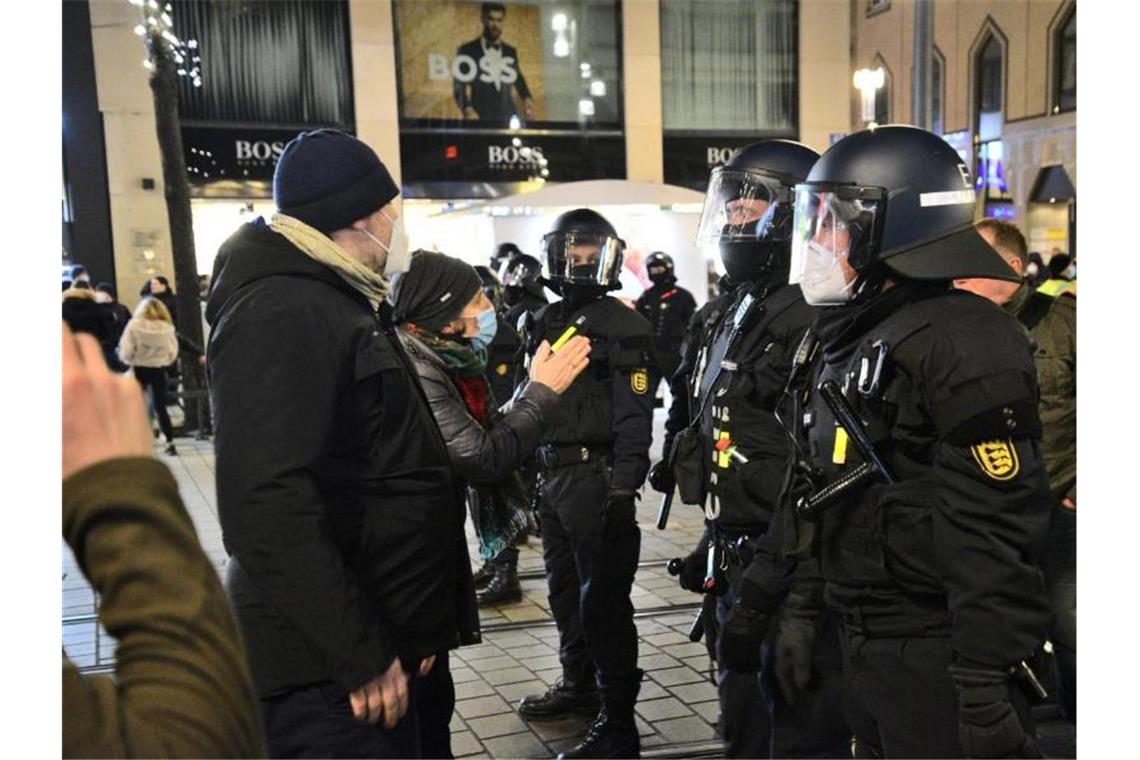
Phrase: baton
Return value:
(697, 629)
(872, 469)
(663, 510)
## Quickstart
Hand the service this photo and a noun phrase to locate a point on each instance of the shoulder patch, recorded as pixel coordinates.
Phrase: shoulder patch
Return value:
(997, 459)
(501, 370)
(639, 381)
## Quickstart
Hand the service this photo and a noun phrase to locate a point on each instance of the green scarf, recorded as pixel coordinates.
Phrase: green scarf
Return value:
(461, 358)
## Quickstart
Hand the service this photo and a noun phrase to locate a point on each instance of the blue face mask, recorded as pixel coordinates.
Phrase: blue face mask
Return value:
(488, 326)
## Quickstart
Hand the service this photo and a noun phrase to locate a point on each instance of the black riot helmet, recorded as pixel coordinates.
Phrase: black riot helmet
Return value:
(583, 254)
(501, 256)
(492, 288)
(659, 265)
(895, 196)
(749, 207)
(523, 274)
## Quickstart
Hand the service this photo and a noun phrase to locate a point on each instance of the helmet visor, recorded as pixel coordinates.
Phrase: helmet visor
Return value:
(582, 257)
(741, 205)
(516, 274)
(830, 224)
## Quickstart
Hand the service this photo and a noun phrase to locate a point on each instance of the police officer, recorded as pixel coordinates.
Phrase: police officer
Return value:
(592, 463)
(739, 380)
(669, 308)
(932, 566)
(522, 287)
(501, 256)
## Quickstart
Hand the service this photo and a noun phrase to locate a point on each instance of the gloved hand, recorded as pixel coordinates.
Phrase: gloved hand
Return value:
(740, 639)
(988, 724)
(692, 575)
(797, 627)
(620, 510)
(661, 478)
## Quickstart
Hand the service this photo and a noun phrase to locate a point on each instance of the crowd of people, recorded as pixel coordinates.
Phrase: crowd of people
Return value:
(877, 416)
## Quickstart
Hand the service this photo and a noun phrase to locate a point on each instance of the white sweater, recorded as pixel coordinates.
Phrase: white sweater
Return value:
(148, 343)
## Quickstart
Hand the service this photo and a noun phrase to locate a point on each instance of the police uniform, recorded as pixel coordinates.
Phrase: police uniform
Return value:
(668, 308)
(502, 360)
(599, 444)
(931, 499)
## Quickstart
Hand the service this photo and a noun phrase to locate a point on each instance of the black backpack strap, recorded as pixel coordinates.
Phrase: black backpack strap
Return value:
(1035, 309)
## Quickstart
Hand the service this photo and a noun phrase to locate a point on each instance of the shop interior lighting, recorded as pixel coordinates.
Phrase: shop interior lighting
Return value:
(561, 46)
(516, 142)
(598, 88)
(585, 68)
(559, 22)
(586, 107)
(515, 123)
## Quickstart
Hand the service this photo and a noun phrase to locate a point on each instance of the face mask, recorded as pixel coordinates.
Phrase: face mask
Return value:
(399, 257)
(488, 326)
(823, 282)
(101, 297)
(1071, 272)
(1032, 270)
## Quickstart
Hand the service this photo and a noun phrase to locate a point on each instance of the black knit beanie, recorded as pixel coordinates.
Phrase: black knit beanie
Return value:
(434, 290)
(329, 179)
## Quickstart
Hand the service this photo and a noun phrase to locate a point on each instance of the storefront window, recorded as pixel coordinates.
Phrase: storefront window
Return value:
(268, 62)
(503, 65)
(724, 62)
(1066, 64)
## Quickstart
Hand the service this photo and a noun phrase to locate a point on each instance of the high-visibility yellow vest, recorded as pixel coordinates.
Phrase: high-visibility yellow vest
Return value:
(1057, 287)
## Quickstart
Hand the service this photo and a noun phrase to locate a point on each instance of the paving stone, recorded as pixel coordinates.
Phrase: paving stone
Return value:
(464, 743)
(480, 706)
(496, 725)
(691, 729)
(688, 649)
(657, 662)
(456, 723)
(710, 711)
(462, 675)
(560, 728)
(666, 638)
(508, 675)
(471, 689)
(533, 650)
(675, 676)
(653, 740)
(662, 709)
(492, 663)
(691, 693)
(516, 745)
(511, 640)
(651, 690)
(548, 677)
(526, 613)
(513, 692)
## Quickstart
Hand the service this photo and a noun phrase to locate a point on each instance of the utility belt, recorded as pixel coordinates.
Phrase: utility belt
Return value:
(555, 455)
(895, 622)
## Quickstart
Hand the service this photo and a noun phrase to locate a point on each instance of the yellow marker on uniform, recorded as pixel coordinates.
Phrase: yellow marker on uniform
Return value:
(568, 333)
(839, 454)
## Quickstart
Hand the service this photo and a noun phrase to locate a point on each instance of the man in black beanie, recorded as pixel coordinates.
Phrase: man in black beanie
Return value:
(344, 524)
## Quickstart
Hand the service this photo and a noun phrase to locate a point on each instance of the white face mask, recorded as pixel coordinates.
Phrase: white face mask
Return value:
(399, 257)
(823, 282)
(101, 297)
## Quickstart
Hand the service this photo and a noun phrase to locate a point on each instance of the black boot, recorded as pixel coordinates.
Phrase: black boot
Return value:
(563, 698)
(614, 731)
(607, 737)
(483, 575)
(504, 587)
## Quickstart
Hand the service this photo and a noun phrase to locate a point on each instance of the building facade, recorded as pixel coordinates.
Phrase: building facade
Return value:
(1003, 93)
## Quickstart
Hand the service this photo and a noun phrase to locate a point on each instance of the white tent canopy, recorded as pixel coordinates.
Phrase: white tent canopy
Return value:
(594, 192)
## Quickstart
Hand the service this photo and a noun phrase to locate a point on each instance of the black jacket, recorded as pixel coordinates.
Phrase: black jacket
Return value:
(668, 311)
(609, 405)
(491, 103)
(742, 399)
(503, 357)
(338, 507)
(954, 415)
(479, 455)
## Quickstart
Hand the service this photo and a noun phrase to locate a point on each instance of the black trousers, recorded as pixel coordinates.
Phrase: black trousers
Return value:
(1060, 567)
(756, 720)
(153, 379)
(589, 575)
(317, 722)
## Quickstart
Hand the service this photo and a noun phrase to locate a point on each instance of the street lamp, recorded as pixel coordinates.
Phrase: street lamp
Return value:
(868, 82)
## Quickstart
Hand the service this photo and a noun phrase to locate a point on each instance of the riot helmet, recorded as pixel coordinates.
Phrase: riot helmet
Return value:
(492, 288)
(522, 274)
(749, 204)
(659, 266)
(501, 256)
(894, 200)
(583, 254)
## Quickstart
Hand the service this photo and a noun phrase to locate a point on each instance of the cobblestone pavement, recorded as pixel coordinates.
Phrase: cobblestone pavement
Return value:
(677, 706)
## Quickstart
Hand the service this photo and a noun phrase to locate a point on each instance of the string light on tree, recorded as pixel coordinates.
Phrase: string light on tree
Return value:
(156, 27)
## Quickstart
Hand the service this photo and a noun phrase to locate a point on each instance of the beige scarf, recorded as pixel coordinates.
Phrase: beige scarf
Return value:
(322, 249)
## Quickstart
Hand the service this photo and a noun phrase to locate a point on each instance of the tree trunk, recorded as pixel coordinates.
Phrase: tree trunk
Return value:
(164, 87)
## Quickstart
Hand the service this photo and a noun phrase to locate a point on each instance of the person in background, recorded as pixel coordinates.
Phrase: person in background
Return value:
(1035, 270)
(181, 686)
(117, 315)
(159, 287)
(79, 273)
(149, 345)
(668, 307)
(1062, 276)
(448, 325)
(84, 314)
(1052, 322)
(504, 252)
